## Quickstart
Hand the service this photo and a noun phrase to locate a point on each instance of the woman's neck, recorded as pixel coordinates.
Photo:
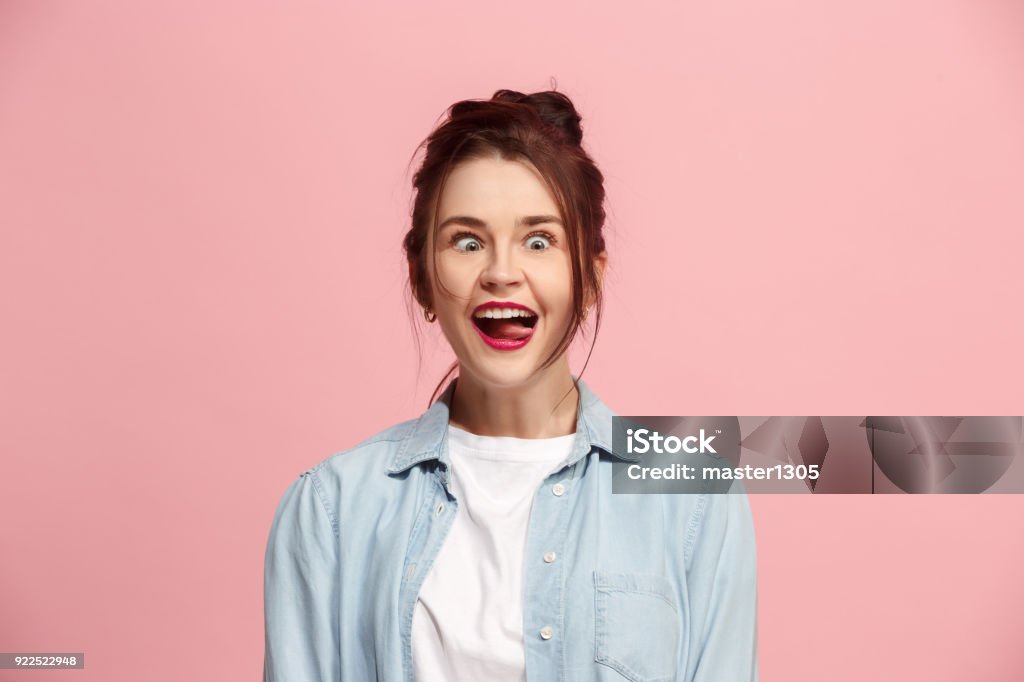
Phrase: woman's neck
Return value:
(544, 408)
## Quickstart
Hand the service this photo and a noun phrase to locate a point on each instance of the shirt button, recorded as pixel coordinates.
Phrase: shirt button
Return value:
(558, 489)
(546, 632)
(549, 557)
(440, 509)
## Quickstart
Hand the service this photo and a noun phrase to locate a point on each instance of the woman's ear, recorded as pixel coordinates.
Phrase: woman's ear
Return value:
(600, 265)
(414, 282)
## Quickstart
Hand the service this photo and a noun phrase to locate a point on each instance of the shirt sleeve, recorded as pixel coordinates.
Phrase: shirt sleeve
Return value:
(722, 584)
(301, 588)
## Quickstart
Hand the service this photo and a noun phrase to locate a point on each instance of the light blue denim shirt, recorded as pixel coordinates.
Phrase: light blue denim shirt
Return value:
(643, 588)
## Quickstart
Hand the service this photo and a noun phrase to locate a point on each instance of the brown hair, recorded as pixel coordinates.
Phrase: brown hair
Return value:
(544, 129)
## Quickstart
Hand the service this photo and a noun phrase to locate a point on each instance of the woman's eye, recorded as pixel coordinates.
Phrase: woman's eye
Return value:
(466, 243)
(538, 242)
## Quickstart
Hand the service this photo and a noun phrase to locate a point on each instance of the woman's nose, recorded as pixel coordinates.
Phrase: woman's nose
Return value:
(501, 269)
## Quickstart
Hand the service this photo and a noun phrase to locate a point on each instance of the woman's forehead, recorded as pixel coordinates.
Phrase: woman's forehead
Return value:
(498, 187)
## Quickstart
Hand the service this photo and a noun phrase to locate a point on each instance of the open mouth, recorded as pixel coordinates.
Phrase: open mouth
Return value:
(505, 326)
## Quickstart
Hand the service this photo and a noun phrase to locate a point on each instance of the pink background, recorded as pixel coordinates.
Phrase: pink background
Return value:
(202, 290)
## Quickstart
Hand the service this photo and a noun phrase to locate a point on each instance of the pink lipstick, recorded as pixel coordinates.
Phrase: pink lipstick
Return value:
(501, 329)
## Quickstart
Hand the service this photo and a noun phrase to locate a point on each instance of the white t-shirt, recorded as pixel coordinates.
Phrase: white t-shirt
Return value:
(468, 620)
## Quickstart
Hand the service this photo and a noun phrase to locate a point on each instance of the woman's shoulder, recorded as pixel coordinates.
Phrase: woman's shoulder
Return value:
(372, 452)
(360, 471)
(377, 466)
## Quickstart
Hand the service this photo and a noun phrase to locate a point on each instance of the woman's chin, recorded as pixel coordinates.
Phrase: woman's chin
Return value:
(506, 370)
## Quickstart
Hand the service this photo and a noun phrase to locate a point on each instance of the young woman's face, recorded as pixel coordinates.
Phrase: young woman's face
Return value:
(505, 266)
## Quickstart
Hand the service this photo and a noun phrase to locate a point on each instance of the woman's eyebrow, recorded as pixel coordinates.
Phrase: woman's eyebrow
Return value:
(525, 221)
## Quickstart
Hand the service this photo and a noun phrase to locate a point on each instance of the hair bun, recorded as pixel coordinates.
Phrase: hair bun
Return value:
(554, 108)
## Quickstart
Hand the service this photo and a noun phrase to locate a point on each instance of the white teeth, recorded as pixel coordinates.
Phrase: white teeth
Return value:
(503, 313)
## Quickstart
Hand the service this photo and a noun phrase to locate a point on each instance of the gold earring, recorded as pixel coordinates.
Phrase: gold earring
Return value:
(429, 316)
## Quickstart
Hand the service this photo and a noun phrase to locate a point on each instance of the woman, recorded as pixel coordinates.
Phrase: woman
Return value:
(481, 540)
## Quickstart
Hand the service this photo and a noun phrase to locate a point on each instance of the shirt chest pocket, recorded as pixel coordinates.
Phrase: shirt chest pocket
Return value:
(637, 625)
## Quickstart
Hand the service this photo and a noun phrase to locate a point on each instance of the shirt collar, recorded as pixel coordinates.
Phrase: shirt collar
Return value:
(430, 431)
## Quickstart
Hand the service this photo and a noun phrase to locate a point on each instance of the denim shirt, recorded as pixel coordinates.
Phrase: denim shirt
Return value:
(646, 588)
